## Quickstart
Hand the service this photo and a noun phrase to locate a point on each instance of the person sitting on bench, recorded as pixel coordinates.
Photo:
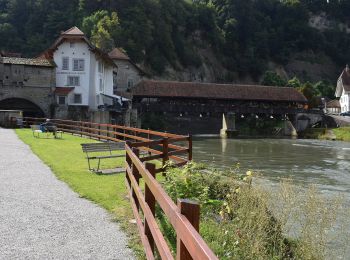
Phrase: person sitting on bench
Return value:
(48, 126)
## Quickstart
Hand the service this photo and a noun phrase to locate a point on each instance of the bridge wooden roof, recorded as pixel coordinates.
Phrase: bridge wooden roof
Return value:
(195, 90)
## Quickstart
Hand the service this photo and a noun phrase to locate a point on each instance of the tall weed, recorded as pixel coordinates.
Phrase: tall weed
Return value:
(244, 221)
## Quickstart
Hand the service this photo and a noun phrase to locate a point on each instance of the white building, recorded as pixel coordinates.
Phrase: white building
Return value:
(128, 73)
(343, 90)
(84, 77)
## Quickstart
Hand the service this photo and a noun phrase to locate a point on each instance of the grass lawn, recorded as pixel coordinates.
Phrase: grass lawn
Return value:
(67, 161)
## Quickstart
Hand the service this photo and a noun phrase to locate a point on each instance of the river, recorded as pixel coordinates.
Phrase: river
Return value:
(323, 163)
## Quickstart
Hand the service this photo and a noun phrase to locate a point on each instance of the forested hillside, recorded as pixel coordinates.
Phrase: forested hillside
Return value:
(209, 40)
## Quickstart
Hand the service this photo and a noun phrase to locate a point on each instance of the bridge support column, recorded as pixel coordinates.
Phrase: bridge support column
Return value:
(228, 129)
(289, 129)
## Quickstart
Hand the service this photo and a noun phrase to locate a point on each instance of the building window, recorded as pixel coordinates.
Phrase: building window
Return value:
(101, 85)
(130, 83)
(78, 64)
(77, 98)
(100, 67)
(61, 100)
(73, 81)
(65, 63)
(72, 44)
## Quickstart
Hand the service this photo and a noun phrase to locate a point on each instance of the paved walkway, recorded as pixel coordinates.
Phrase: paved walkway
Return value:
(42, 218)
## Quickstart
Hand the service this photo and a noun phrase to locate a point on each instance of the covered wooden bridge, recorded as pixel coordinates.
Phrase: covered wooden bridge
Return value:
(192, 105)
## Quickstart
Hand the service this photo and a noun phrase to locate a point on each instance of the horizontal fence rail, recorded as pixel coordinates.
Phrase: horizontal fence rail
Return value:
(152, 145)
(184, 217)
(143, 146)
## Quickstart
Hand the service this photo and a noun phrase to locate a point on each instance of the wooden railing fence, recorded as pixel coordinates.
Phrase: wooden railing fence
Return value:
(143, 146)
(184, 217)
(153, 145)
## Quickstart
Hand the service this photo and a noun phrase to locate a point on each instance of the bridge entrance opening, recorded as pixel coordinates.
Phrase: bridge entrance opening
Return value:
(29, 108)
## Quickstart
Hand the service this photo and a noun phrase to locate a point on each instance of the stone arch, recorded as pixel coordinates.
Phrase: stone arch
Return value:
(29, 108)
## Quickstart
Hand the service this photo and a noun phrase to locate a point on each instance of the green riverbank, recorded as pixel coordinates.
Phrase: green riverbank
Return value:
(338, 134)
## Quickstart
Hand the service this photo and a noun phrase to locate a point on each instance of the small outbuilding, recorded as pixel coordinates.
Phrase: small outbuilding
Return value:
(333, 107)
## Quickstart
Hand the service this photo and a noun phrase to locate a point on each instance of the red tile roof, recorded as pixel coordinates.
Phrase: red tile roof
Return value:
(118, 54)
(64, 91)
(73, 31)
(333, 104)
(150, 88)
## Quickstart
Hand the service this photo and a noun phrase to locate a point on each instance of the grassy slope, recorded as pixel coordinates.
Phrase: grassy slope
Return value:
(342, 133)
(67, 161)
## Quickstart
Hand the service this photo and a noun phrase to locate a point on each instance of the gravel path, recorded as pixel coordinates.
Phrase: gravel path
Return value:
(42, 218)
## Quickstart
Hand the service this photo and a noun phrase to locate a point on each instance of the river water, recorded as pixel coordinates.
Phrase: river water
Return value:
(323, 163)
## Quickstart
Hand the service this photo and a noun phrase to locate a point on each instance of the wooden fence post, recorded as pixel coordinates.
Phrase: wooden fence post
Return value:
(151, 201)
(81, 129)
(99, 133)
(190, 147)
(191, 210)
(165, 150)
(165, 153)
(128, 162)
(148, 137)
(137, 176)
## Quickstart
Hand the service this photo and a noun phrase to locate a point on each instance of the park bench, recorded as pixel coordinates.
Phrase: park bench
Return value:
(98, 151)
(37, 131)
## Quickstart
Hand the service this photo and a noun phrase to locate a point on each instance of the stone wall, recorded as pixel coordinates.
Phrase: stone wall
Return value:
(126, 71)
(32, 83)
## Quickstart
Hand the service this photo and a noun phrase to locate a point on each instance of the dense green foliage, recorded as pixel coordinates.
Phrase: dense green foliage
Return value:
(243, 34)
(314, 92)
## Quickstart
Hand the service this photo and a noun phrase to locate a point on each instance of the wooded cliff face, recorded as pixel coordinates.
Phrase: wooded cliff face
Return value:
(205, 40)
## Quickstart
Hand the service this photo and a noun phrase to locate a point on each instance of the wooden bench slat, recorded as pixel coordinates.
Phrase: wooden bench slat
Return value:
(101, 147)
(105, 157)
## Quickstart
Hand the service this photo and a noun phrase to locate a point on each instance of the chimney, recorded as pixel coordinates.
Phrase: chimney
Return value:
(347, 68)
